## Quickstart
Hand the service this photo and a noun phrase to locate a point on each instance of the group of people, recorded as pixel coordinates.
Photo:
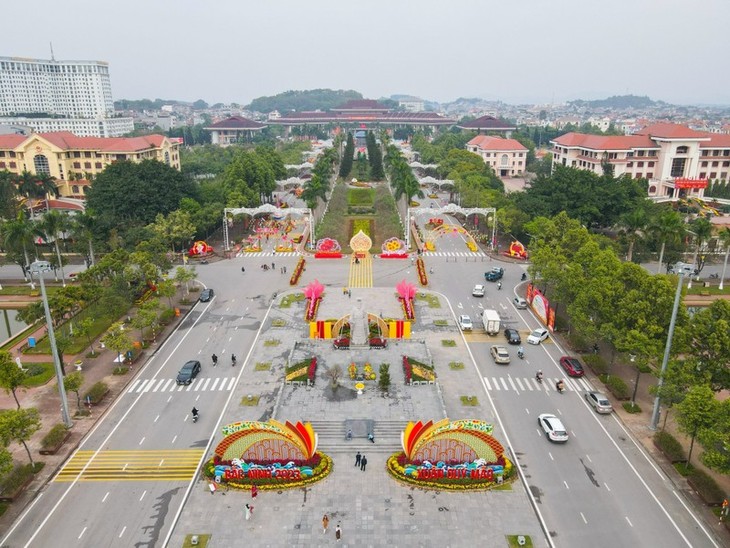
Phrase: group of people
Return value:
(214, 358)
(559, 385)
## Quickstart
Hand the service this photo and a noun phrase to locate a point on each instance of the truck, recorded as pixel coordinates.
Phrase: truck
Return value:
(491, 321)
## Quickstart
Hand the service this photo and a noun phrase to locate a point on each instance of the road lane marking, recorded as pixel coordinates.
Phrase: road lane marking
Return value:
(607, 487)
(157, 418)
(504, 384)
(123, 529)
(519, 383)
(142, 440)
(143, 494)
(230, 384)
(512, 384)
(173, 439)
(629, 521)
(584, 518)
(82, 532)
(215, 383)
(157, 386)
(141, 386)
(164, 388)
(149, 385)
(134, 385)
(105, 496)
(489, 386)
(566, 484)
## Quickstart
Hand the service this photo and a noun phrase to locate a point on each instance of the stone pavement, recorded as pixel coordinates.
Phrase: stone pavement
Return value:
(372, 508)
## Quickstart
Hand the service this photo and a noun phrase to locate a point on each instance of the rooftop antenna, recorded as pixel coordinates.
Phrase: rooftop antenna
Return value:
(53, 58)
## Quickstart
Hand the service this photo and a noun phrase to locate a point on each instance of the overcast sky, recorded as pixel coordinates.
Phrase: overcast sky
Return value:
(536, 51)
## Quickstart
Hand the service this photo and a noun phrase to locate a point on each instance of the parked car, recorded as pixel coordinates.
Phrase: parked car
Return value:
(478, 291)
(512, 336)
(206, 295)
(495, 274)
(572, 366)
(188, 372)
(537, 336)
(553, 427)
(520, 303)
(377, 342)
(465, 323)
(500, 354)
(599, 402)
(342, 343)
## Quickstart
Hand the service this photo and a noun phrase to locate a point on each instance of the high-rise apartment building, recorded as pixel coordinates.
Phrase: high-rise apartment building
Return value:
(76, 96)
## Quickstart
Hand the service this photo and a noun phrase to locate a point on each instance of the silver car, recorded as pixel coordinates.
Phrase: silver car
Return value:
(500, 354)
(599, 402)
(520, 303)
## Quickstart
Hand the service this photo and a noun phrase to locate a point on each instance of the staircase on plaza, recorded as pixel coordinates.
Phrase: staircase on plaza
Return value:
(332, 436)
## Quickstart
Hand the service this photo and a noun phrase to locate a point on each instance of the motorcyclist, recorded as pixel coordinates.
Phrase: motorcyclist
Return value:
(520, 352)
(195, 413)
(524, 276)
(215, 359)
(499, 285)
(233, 359)
(560, 385)
(538, 375)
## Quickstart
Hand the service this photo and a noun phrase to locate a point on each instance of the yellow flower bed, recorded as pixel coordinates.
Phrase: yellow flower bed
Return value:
(471, 245)
(397, 472)
(297, 373)
(369, 373)
(423, 373)
(284, 248)
(352, 370)
(430, 246)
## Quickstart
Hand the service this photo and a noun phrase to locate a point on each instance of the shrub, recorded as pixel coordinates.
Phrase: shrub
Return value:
(96, 393)
(616, 386)
(669, 445)
(167, 315)
(55, 437)
(384, 382)
(18, 477)
(119, 370)
(596, 363)
(706, 487)
(577, 342)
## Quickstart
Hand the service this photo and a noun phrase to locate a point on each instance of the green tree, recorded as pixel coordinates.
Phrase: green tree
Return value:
(702, 229)
(8, 201)
(73, 383)
(175, 228)
(676, 381)
(118, 340)
(11, 376)
(83, 329)
(167, 289)
(633, 223)
(34, 186)
(19, 425)
(696, 412)
(384, 380)
(709, 343)
(185, 276)
(668, 227)
(19, 235)
(63, 343)
(347, 157)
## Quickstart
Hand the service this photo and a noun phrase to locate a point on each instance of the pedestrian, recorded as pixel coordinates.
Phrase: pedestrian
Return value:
(338, 532)
(357, 458)
(363, 463)
(325, 523)
(273, 266)
(349, 293)
(254, 491)
(212, 486)
(243, 269)
(284, 270)
(249, 511)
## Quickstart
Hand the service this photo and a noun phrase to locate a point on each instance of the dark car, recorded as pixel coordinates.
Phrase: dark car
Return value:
(512, 336)
(572, 366)
(495, 274)
(378, 342)
(188, 372)
(206, 295)
(342, 343)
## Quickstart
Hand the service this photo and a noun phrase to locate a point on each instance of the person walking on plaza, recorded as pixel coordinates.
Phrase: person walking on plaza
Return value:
(363, 463)
(325, 523)
(249, 511)
(357, 458)
(338, 532)
(254, 491)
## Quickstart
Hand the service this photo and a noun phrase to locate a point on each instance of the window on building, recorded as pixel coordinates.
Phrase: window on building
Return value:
(650, 175)
(715, 152)
(640, 164)
(629, 154)
(2, 154)
(2, 165)
(75, 189)
(726, 164)
(40, 163)
(504, 160)
(713, 174)
(714, 164)
(639, 175)
(97, 165)
(682, 150)
(77, 154)
(703, 164)
(678, 167)
(77, 165)
(13, 165)
(703, 175)
(649, 164)
(629, 164)
(726, 152)
(167, 157)
(640, 153)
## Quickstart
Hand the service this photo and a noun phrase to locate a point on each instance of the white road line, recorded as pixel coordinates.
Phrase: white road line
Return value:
(141, 386)
(607, 487)
(629, 521)
(584, 518)
(589, 458)
(519, 383)
(149, 385)
(159, 465)
(143, 494)
(504, 384)
(134, 385)
(230, 384)
(173, 439)
(168, 399)
(496, 384)
(190, 386)
(198, 384)
(215, 382)
(222, 387)
(82, 532)
(181, 388)
(157, 386)
(566, 484)
(141, 441)
(105, 496)
(164, 388)
(207, 381)
(123, 529)
(157, 418)
(512, 383)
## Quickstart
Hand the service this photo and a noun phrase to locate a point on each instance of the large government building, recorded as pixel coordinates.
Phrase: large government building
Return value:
(50, 95)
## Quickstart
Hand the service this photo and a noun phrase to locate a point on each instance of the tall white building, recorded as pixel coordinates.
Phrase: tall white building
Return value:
(76, 96)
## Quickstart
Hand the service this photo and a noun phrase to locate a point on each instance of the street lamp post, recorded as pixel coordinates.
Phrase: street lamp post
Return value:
(39, 268)
(667, 348)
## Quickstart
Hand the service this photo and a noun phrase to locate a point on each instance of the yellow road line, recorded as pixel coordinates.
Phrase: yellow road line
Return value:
(361, 273)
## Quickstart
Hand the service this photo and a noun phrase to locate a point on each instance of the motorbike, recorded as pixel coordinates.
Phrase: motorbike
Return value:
(538, 377)
(520, 354)
(714, 276)
(233, 360)
(196, 414)
(560, 387)
(524, 276)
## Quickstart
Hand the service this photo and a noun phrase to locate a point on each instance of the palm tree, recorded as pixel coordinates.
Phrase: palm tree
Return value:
(724, 237)
(668, 227)
(20, 234)
(53, 224)
(35, 186)
(633, 224)
(82, 229)
(702, 229)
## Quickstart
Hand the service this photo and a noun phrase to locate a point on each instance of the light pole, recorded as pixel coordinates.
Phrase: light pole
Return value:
(39, 268)
(667, 348)
(694, 258)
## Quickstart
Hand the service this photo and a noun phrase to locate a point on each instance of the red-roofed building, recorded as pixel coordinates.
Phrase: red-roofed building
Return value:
(676, 161)
(69, 158)
(489, 123)
(507, 157)
(233, 130)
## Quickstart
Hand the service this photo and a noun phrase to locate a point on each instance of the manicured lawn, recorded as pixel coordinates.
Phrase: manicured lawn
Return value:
(39, 374)
(25, 290)
(360, 196)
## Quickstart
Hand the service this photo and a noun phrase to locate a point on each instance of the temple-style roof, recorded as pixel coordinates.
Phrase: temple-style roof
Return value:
(488, 123)
(237, 122)
(363, 117)
(361, 104)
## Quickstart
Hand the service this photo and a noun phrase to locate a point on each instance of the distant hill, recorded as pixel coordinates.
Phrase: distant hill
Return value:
(147, 104)
(619, 101)
(313, 99)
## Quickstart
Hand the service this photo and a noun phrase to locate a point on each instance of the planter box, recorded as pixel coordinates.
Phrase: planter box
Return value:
(53, 450)
(709, 500)
(327, 255)
(11, 496)
(394, 256)
(673, 460)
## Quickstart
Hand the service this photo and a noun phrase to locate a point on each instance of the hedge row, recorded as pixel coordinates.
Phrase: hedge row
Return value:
(669, 445)
(616, 386)
(96, 393)
(54, 437)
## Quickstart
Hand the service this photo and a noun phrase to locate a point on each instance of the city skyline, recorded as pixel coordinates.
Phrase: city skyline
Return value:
(529, 52)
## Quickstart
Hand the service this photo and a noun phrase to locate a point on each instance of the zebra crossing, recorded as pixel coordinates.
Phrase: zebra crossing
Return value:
(530, 384)
(268, 254)
(201, 384)
(453, 254)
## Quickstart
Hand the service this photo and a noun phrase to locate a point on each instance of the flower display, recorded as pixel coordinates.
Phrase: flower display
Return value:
(369, 374)
(471, 245)
(421, 267)
(328, 245)
(312, 370)
(297, 271)
(393, 245)
(352, 370)
(407, 370)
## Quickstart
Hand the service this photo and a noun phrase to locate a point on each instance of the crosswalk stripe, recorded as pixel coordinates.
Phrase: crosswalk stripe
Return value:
(489, 386)
(215, 382)
(512, 383)
(201, 384)
(524, 384)
(141, 386)
(167, 383)
(157, 386)
(230, 385)
(134, 385)
(504, 384)
(206, 383)
(519, 383)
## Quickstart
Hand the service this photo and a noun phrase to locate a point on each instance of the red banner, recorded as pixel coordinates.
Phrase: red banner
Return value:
(683, 182)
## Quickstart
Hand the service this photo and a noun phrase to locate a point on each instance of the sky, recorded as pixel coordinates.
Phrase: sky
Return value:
(516, 51)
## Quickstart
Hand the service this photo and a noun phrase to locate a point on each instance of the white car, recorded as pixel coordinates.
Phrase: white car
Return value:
(520, 303)
(478, 291)
(537, 336)
(553, 427)
(465, 322)
(500, 354)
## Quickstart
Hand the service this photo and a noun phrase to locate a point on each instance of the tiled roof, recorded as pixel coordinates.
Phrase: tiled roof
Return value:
(361, 104)
(487, 122)
(383, 117)
(496, 143)
(605, 142)
(237, 122)
(717, 140)
(671, 131)
(65, 140)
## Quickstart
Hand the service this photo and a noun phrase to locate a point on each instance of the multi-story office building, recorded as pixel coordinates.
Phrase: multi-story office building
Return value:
(507, 157)
(75, 96)
(676, 161)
